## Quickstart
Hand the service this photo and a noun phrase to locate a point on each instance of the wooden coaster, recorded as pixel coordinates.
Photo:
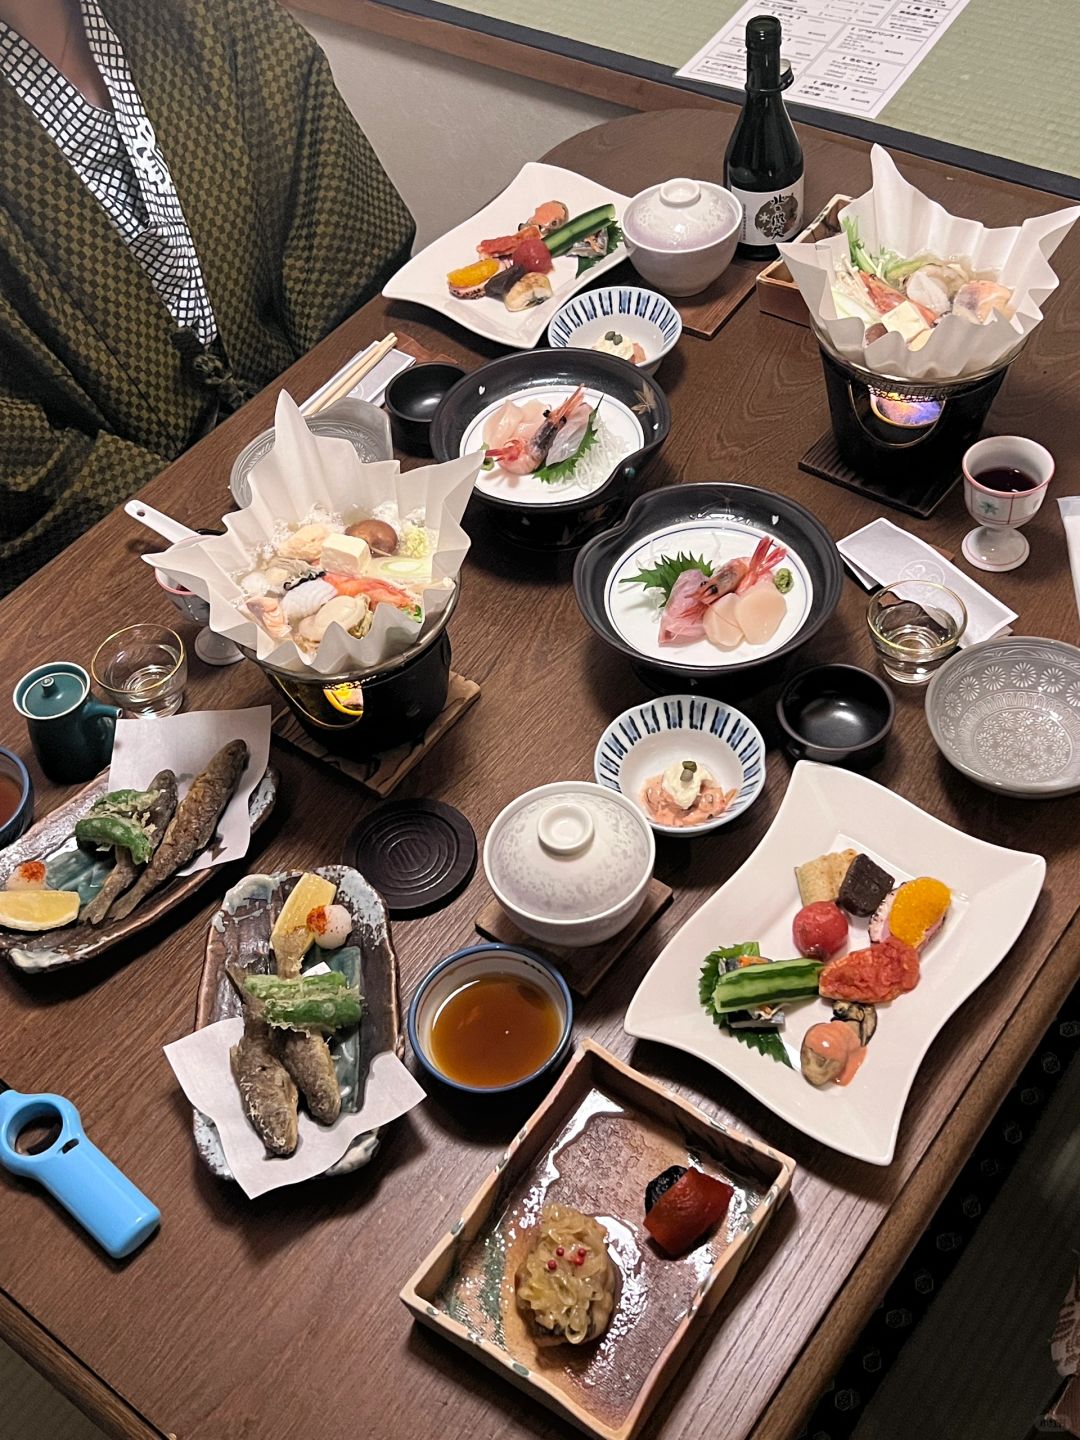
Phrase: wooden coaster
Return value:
(582, 969)
(919, 495)
(383, 773)
(703, 314)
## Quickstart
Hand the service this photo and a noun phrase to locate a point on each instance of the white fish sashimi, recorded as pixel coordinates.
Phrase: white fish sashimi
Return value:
(571, 435)
(720, 623)
(760, 611)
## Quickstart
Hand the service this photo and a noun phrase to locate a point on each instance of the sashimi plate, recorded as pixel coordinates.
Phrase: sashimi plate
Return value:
(714, 524)
(827, 809)
(423, 279)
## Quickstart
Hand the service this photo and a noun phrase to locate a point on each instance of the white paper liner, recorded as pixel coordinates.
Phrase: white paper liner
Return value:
(894, 215)
(302, 474)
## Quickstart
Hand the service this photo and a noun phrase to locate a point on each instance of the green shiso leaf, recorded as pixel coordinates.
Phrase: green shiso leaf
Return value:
(665, 572)
(563, 469)
(765, 1041)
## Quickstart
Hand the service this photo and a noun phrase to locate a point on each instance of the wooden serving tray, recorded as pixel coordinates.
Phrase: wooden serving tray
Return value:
(54, 949)
(610, 1130)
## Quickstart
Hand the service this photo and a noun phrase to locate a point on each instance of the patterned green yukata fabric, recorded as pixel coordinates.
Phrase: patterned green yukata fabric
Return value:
(295, 223)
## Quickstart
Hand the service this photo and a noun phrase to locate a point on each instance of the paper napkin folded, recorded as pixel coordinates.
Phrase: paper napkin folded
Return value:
(200, 1062)
(1070, 518)
(186, 744)
(881, 553)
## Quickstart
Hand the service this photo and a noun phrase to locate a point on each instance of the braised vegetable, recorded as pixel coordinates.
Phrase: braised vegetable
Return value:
(687, 1210)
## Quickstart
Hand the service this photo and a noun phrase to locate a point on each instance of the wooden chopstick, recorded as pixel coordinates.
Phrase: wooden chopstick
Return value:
(350, 376)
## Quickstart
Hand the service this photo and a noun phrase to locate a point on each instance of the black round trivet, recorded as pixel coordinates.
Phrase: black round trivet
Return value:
(418, 854)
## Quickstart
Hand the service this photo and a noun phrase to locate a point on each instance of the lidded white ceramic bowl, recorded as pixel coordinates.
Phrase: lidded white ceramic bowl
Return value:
(570, 862)
(682, 234)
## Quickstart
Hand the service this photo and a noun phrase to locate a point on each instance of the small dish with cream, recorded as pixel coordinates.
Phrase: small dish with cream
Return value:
(689, 763)
(627, 321)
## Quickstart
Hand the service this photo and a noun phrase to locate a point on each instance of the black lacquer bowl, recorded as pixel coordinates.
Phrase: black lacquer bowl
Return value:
(633, 399)
(716, 522)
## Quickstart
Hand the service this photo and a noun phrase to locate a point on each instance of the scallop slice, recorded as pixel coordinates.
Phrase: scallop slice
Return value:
(760, 611)
(721, 624)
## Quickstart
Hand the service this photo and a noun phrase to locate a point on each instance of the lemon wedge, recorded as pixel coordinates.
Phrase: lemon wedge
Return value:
(37, 909)
(291, 936)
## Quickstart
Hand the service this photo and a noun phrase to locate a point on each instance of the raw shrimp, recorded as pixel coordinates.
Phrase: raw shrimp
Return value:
(767, 555)
(378, 592)
(885, 298)
(521, 455)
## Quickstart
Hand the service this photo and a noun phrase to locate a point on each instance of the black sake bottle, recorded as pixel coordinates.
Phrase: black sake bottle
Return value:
(763, 166)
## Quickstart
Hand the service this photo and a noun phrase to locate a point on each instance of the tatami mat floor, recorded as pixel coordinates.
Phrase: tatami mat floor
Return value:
(976, 1368)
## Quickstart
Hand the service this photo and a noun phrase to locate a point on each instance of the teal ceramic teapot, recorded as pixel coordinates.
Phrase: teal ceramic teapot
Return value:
(71, 732)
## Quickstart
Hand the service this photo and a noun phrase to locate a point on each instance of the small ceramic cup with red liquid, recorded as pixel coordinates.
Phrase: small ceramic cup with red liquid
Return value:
(1005, 481)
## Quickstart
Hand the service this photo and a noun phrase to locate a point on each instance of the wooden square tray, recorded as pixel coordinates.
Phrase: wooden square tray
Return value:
(610, 1130)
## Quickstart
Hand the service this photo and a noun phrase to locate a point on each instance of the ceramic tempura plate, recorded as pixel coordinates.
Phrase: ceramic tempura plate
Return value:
(239, 937)
(714, 523)
(595, 1142)
(423, 279)
(69, 868)
(827, 809)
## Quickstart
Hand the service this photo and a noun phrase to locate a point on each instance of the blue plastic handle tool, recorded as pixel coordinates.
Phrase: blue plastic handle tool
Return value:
(75, 1172)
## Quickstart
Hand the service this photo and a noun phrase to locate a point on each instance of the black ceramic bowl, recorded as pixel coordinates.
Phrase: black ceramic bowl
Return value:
(412, 397)
(705, 507)
(837, 714)
(564, 523)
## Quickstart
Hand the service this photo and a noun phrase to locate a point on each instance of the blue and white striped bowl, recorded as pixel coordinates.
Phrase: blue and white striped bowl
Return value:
(645, 740)
(642, 316)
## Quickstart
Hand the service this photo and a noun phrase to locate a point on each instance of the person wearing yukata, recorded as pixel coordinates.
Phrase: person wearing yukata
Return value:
(186, 207)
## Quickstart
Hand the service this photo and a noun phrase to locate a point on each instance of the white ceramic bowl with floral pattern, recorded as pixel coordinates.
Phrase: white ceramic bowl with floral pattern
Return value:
(570, 862)
(1006, 713)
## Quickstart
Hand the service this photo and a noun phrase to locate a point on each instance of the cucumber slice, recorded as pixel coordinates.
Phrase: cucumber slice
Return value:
(776, 983)
(559, 241)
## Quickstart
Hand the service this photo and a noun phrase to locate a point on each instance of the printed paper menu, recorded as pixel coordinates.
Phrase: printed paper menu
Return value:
(851, 56)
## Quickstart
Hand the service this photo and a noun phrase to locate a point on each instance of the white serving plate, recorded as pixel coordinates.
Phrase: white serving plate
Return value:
(827, 809)
(619, 421)
(635, 612)
(423, 279)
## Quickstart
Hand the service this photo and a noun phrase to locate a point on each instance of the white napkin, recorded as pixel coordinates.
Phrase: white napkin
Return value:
(372, 387)
(200, 1062)
(881, 553)
(1069, 506)
(186, 744)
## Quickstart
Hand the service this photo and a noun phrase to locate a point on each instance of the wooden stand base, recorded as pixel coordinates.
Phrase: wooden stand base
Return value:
(582, 969)
(382, 773)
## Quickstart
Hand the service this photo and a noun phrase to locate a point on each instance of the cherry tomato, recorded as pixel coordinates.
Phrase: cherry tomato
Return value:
(820, 930)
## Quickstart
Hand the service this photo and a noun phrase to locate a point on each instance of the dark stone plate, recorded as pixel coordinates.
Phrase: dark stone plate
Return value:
(69, 868)
(239, 936)
(784, 519)
(569, 522)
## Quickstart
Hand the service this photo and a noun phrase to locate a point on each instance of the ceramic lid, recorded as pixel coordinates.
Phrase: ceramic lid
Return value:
(681, 215)
(55, 691)
(569, 851)
(418, 854)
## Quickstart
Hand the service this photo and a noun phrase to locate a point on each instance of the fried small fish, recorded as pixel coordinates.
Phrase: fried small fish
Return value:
(307, 1059)
(192, 827)
(267, 1093)
(124, 871)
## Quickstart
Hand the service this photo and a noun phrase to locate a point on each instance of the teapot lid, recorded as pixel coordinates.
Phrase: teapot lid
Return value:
(682, 214)
(52, 690)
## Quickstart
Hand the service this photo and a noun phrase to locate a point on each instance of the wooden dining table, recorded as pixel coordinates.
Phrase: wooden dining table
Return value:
(281, 1317)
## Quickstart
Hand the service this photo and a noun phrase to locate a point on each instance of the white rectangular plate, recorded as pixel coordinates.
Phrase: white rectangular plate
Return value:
(423, 279)
(827, 809)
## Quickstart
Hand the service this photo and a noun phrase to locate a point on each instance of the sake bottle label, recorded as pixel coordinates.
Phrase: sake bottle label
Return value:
(770, 215)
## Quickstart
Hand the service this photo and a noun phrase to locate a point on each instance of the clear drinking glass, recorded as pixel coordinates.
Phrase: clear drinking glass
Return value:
(915, 626)
(142, 669)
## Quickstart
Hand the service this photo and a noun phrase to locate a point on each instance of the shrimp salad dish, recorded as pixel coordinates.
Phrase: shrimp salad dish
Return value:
(707, 596)
(911, 297)
(542, 447)
(337, 570)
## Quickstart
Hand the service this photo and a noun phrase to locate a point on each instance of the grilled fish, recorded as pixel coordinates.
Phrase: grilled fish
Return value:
(307, 1059)
(123, 873)
(267, 1093)
(193, 825)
